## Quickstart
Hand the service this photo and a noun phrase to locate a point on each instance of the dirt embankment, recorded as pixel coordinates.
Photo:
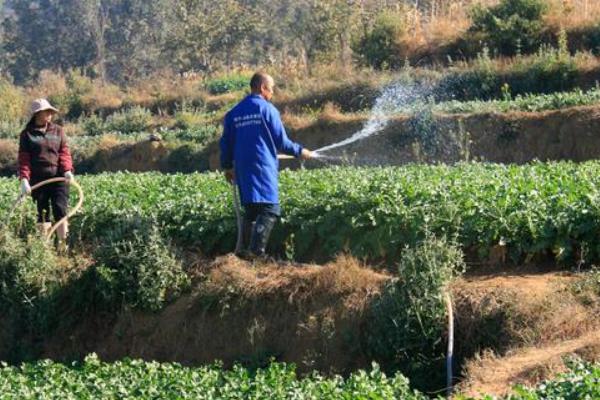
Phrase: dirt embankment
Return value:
(570, 134)
(317, 316)
(519, 137)
(308, 315)
(518, 329)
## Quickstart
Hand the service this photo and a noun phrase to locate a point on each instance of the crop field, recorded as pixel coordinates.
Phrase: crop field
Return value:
(134, 379)
(532, 210)
(452, 251)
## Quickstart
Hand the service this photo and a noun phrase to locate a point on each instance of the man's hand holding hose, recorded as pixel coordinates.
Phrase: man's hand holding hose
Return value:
(304, 155)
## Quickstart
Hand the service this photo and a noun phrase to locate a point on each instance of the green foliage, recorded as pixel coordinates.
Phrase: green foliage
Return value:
(535, 209)
(136, 266)
(12, 103)
(511, 26)
(10, 130)
(93, 125)
(528, 102)
(552, 70)
(581, 382)
(547, 71)
(201, 134)
(380, 46)
(151, 380)
(408, 317)
(28, 270)
(590, 38)
(587, 287)
(481, 81)
(189, 119)
(228, 83)
(194, 126)
(132, 120)
(30, 279)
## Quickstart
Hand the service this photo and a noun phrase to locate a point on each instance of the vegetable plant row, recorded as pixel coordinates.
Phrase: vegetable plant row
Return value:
(135, 379)
(537, 209)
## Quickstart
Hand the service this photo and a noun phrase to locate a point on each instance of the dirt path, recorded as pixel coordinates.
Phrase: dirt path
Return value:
(492, 375)
(549, 317)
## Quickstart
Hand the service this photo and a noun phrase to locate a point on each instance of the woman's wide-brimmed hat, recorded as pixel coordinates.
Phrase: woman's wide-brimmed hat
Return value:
(41, 105)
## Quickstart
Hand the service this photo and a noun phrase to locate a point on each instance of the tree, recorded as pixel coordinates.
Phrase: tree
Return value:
(381, 44)
(45, 34)
(204, 34)
(134, 37)
(321, 28)
(510, 26)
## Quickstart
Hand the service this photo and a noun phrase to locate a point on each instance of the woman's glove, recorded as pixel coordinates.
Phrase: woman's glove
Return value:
(69, 177)
(25, 188)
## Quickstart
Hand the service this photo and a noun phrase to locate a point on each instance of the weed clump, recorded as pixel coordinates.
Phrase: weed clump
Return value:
(136, 266)
(408, 318)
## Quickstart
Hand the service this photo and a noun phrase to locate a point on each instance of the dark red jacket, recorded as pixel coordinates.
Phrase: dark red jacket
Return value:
(43, 155)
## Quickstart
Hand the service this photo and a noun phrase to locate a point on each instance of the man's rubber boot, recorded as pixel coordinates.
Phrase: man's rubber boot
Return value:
(247, 227)
(261, 233)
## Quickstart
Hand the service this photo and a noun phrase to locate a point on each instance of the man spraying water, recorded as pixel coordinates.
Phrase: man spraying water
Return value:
(253, 135)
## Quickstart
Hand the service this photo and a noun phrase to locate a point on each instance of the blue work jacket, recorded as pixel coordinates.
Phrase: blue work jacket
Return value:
(253, 135)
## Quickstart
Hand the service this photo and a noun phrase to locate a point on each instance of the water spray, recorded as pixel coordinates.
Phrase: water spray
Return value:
(394, 98)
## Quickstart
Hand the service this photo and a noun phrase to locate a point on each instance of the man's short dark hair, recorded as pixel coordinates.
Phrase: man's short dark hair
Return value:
(258, 79)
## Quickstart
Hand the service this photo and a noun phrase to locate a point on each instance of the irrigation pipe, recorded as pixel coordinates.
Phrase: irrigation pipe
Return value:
(450, 350)
(73, 211)
(238, 216)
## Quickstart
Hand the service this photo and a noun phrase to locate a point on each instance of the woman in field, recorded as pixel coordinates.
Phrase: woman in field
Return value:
(44, 154)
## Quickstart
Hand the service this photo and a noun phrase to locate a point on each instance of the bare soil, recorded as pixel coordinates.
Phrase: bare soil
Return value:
(512, 326)
(520, 328)
(309, 315)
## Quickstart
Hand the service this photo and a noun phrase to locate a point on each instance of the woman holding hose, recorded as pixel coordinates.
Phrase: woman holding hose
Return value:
(44, 154)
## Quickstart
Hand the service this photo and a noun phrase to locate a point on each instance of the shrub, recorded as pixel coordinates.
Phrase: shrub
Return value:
(135, 119)
(548, 70)
(408, 318)
(482, 81)
(93, 125)
(511, 26)
(136, 266)
(189, 119)
(59, 90)
(202, 134)
(30, 278)
(12, 103)
(228, 83)
(10, 130)
(28, 268)
(380, 47)
(551, 70)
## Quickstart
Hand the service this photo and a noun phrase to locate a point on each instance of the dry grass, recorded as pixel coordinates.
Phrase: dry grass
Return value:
(48, 84)
(8, 152)
(72, 129)
(518, 327)
(343, 277)
(103, 96)
(573, 13)
(495, 375)
(163, 87)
